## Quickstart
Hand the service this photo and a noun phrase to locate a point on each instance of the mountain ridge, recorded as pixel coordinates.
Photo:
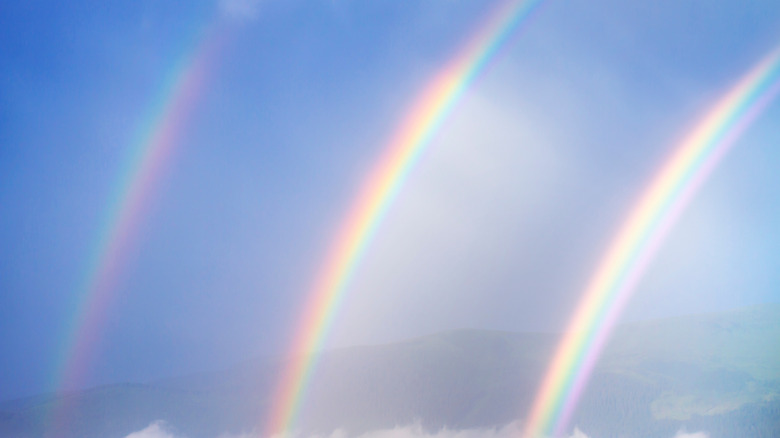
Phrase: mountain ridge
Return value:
(718, 372)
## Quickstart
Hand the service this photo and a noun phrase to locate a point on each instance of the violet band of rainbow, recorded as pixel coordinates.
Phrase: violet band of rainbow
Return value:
(402, 152)
(636, 243)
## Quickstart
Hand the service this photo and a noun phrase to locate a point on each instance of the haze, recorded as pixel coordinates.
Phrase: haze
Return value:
(499, 226)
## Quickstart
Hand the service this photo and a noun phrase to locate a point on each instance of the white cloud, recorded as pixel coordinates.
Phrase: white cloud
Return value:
(240, 9)
(512, 430)
(683, 434)
(154, 430)
(416, 431)
(578, 434)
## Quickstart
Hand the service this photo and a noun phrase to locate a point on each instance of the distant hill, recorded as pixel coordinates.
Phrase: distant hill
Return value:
(719, 373)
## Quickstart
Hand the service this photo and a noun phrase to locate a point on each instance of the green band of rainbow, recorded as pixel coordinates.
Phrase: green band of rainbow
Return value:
(383, 184)
(638, 240)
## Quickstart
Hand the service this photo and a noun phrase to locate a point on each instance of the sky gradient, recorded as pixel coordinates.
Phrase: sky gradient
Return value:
(498, 226)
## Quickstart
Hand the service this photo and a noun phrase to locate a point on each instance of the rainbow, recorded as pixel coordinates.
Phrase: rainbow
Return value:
(148, 157)
(407, 144)
(633, 248)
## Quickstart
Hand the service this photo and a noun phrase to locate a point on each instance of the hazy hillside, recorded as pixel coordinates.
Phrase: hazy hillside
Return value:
(719, 373)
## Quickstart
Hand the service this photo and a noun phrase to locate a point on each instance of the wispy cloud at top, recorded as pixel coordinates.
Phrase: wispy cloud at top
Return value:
(240, 9)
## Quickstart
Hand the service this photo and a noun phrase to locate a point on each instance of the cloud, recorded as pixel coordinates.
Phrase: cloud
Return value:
(416, 431)
(240, 9)
(155, 430)
(158, 429)
(512, 430)
(578, 434)
(684, 434)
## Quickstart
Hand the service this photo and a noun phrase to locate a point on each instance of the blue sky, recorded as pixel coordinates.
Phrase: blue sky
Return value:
(499, 226)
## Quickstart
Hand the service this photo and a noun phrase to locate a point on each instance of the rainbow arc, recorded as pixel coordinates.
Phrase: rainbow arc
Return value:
(402, 152)
(149, 155)
(637, 242)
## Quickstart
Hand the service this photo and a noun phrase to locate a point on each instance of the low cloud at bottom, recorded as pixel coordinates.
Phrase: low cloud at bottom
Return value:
(159, 429)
